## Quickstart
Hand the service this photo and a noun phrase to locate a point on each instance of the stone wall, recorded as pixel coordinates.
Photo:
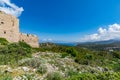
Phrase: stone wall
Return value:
(30, 39)
(9, 29)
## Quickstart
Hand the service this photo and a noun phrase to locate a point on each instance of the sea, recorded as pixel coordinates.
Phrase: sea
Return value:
(67, 44)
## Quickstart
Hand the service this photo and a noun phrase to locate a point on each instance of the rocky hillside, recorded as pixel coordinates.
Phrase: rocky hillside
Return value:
(51, 66)
(18, 61)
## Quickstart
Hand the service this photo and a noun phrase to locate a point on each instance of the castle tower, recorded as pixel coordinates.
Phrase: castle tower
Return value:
(9, 27)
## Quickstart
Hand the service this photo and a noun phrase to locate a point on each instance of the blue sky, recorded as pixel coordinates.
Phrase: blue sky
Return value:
(67, 20)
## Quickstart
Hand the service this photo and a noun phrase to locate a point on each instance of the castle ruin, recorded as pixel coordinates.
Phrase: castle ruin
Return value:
(9, 29)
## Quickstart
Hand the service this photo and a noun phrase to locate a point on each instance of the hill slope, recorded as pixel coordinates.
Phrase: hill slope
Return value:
(19, 61)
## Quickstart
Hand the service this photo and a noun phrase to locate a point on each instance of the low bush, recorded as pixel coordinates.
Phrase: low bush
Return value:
(63, 55)
(5, 76)
(98, 76)
(72, 51)
(3, 41)
(116, 54)
(54, 76)
(12, 53)
(88, 56)
(28, 77)
(42, 69)
(83, 76)
(31, 62)
(116, 67)
(71, 72)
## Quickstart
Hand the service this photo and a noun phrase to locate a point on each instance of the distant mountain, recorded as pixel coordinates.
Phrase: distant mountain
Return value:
(102, 42)
(57, 42)
(101, 45)
(107, 43)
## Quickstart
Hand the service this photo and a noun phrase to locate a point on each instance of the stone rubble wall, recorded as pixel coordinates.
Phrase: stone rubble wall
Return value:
(30, 39)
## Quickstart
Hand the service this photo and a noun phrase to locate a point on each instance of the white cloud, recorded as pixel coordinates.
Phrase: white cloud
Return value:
(10, 8)
(47, 40)
(112, 32)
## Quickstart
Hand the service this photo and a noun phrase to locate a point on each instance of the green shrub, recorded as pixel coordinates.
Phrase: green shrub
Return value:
(116, 54)
(3, 41)
(116, 67)
(108, 76)
(25, 45)
(98, 76)
(88, 56)
(83, 76)
(54, 76)
(31, 62)
(71, 72)
(28, 77)
(42, 69)
(5, 77)
(12, 53)
(72, 51)
(63, 55)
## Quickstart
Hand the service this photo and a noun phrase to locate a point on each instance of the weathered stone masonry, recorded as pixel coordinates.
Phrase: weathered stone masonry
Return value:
(9, 29)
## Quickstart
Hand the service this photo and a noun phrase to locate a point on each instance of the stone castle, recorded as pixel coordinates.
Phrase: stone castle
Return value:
(9, 29)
